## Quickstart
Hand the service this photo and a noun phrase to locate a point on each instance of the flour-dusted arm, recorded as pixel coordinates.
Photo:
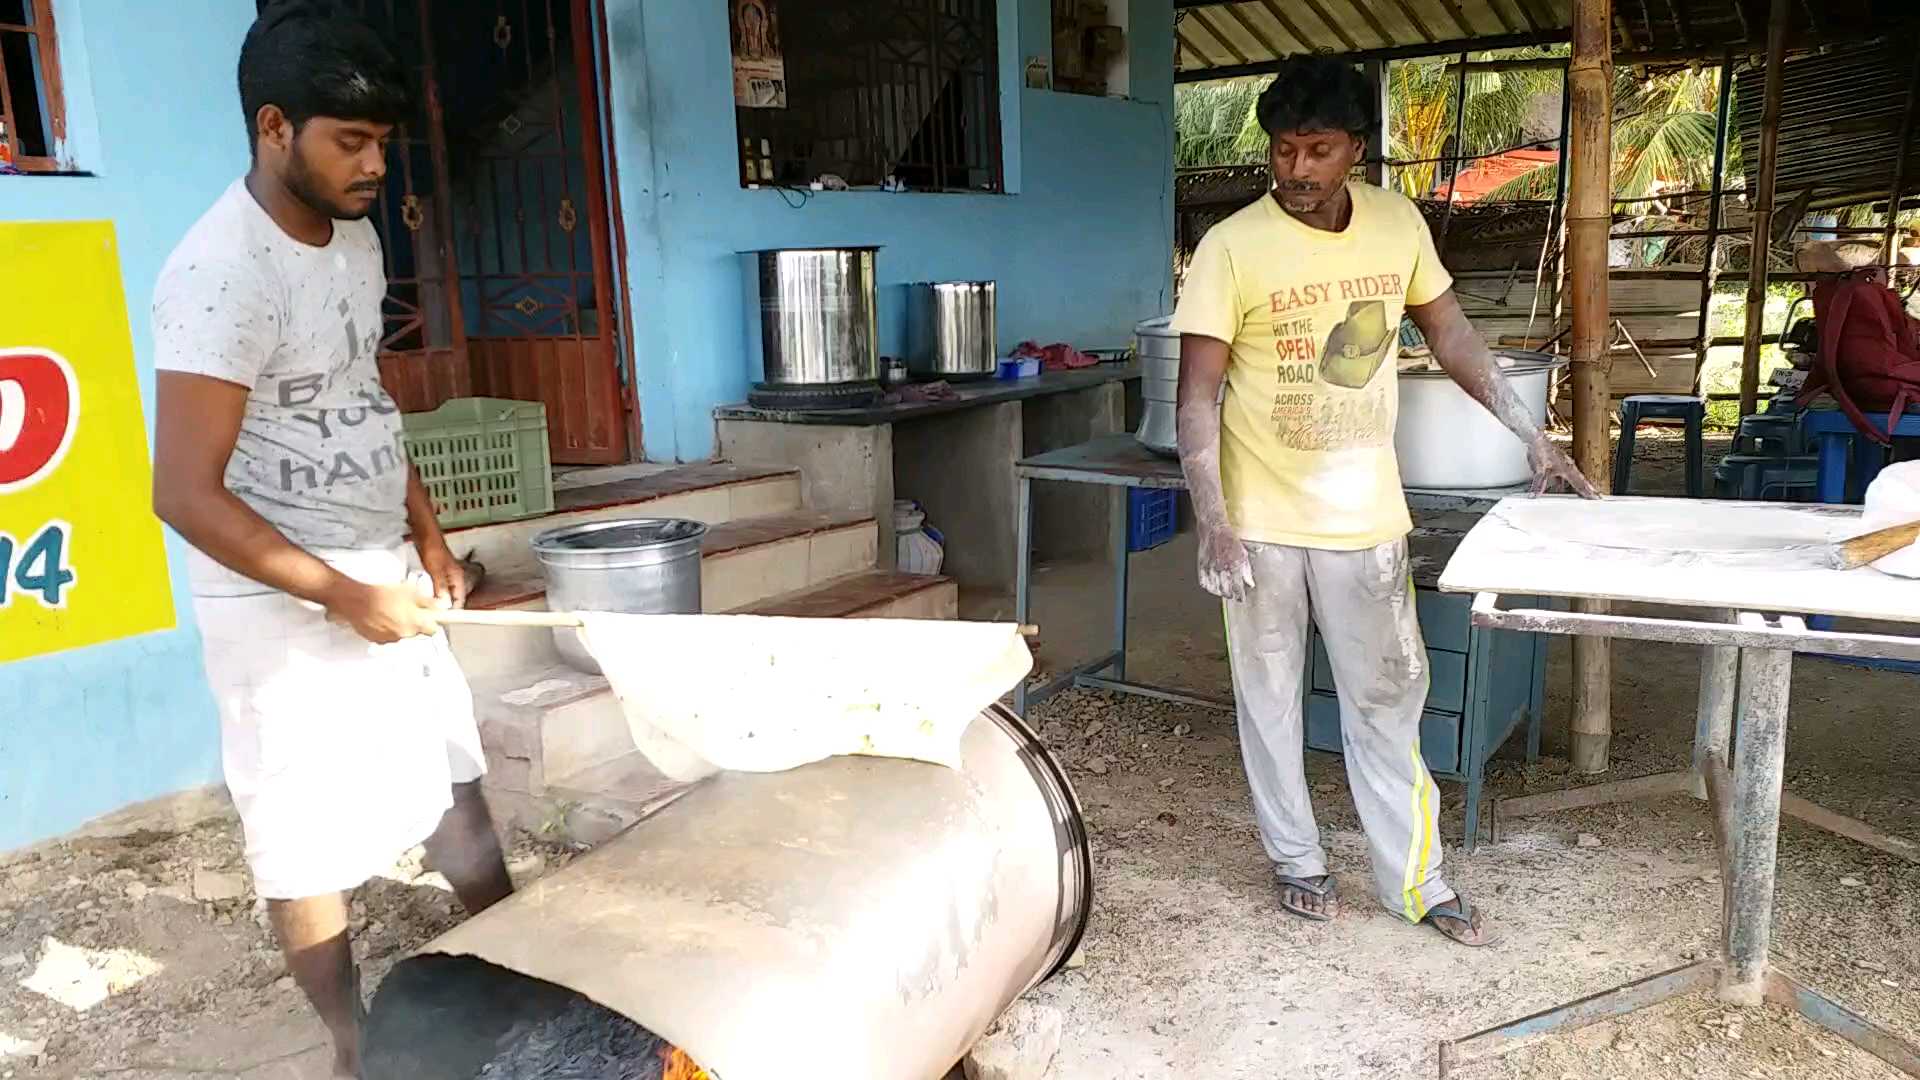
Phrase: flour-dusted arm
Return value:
(1464, 356)
(1226, 570)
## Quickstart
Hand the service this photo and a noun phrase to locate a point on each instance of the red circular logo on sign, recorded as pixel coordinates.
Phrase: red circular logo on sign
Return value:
(39, 409)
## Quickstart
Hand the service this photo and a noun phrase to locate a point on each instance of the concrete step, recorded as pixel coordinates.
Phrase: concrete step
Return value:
(559, 755)
(742, 563)
(715, 493)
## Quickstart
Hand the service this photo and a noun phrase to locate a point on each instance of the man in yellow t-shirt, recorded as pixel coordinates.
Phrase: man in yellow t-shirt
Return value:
(1295, 303)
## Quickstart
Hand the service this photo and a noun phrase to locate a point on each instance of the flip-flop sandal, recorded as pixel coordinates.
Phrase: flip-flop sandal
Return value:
(1321, 887)
(1456, 911)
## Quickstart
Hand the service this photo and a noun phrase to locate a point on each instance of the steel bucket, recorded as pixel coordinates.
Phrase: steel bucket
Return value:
(636, 566)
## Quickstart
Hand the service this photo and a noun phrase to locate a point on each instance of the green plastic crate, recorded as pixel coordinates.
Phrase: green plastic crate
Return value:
(482, 459)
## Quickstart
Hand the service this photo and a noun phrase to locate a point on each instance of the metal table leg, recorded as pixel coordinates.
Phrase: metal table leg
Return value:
(1747, 803)
(1119, 545)
(1023, 577)
(1759, 769)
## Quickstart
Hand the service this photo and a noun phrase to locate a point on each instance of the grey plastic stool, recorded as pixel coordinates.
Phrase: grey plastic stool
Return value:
(1639, 408)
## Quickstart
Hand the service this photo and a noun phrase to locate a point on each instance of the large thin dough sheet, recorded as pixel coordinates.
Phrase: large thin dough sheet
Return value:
(753, 693)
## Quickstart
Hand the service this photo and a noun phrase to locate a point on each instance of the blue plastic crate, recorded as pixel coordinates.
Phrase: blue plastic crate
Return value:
(1152, 515)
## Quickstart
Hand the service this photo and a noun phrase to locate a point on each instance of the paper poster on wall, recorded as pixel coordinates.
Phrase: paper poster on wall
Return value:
(759, 69)
(82, 558)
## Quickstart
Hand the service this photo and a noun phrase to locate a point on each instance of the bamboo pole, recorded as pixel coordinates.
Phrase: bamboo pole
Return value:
(1904, 150)
(1762, 196)
(1377, 85)
(1459, 153)
(1709, 266)
(1589, 217)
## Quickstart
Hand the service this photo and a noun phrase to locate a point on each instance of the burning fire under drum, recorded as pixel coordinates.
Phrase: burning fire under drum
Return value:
(858, 918)
(442, 1017)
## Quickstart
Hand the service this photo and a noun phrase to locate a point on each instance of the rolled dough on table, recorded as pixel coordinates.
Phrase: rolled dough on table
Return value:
(1688, 530)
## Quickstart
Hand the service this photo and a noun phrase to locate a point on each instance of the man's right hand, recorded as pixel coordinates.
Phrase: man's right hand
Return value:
(1226, 570)
(384, 614)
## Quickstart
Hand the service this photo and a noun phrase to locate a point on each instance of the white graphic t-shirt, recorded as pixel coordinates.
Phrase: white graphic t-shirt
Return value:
(319, 454)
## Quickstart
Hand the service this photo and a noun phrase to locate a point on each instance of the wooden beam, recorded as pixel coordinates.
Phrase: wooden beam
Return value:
(1544, 63)
(1253, 31)
(1709, 266)
(1338, 30)
(1761, 199)
(1413, 20)
(1397, 52)
(1376, 71)
(1458, 17)
(1676, 9)
(1459, 152)
(1364, 8)
(1287, 24)
(1198, 16)
(1902, 151)
(1589, 217)
(1507, 23)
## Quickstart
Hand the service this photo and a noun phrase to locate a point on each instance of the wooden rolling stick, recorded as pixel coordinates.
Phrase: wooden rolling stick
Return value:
(557, 619)
(1872, 547)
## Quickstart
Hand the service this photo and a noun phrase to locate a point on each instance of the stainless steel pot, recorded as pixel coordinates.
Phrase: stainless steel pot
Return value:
(1157, 345)
(1447, 441)
(954, 333)
(1158, 348)
(858, 918)
(644, 566)
(819, 322)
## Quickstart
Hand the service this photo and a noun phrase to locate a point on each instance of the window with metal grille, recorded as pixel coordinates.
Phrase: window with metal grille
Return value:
(870, 91)
(33, 120)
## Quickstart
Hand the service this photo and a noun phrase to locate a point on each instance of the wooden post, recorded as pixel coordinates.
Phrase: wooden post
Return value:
(1762, 195)
(1376, 71)
(1589, 219)
(1459, 152)
(1709, 266)
(1891, 252)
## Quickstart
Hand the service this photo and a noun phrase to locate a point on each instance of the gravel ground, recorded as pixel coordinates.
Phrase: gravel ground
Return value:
(145, 957)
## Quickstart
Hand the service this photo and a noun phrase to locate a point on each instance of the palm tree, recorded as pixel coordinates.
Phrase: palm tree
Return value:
(1502, 107)
(1215, 123)
(1663, 135)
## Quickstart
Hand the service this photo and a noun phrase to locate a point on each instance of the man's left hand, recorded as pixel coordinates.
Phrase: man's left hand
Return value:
(1550, 464)
(449, 578)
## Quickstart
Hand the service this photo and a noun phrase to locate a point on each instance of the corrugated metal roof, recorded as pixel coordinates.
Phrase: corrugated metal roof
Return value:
(1218, 38)
(1840, 120)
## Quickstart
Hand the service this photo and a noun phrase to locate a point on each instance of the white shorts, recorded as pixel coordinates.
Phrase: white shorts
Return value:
(340, 754)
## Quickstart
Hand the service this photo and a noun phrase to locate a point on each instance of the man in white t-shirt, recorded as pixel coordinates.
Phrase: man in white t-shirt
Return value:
(347, 729)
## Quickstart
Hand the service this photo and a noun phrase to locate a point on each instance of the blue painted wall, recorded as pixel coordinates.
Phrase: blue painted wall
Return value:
(1079, 248)
(155, 117)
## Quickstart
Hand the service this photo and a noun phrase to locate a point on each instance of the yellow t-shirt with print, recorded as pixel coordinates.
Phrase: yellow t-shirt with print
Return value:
(1313, 318)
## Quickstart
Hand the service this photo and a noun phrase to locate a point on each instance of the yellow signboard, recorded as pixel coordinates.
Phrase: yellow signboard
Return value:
(82, 559)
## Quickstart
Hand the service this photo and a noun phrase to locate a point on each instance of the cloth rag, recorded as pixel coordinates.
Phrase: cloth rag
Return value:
(1894, 499)
(1056, 357)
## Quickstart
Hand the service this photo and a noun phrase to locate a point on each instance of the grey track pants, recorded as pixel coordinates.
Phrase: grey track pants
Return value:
(1362, 602)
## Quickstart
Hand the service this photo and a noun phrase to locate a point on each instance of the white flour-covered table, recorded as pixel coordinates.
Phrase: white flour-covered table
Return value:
(1750, 574)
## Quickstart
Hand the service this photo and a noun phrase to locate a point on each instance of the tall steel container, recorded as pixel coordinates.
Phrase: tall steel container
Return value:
(818, 339)
(954, 330)
(1158, 348)
(853, 919)
(645, 566)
